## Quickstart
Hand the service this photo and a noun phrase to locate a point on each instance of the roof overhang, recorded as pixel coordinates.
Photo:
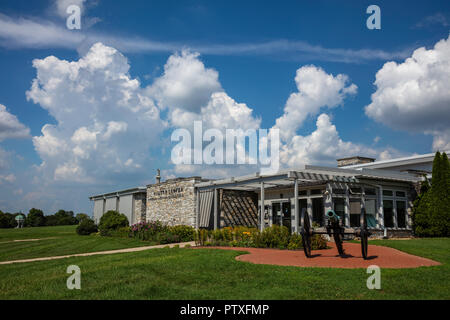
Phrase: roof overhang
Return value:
(305, 175)
(119, 193)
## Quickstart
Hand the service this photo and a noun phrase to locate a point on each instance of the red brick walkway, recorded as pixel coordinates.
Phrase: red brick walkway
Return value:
(383, 257)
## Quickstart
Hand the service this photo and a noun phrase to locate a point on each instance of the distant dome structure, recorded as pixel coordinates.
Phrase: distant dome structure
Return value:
(20, 218)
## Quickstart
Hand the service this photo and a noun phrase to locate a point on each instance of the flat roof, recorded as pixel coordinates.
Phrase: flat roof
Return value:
(306, 175)
(356, 157)
(421, 158)
(178, 179)
(119, 193)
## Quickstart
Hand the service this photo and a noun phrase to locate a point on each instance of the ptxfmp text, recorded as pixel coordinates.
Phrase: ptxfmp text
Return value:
(230, 309)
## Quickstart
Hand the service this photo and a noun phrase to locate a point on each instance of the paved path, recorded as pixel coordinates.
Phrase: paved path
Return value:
(136, 249)
(28, 240)
(384, 257)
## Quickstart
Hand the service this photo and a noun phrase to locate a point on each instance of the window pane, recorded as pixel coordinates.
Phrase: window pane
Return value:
(356, 190)
(400, 194)
(401, 214)
(338, 191)
(302, 203)
(388, 213)
(355, 212)
(317, 208)
(387, 193)
(316, 191)
(370, 191)
(371, 209)
(339, 207)
(302, 193)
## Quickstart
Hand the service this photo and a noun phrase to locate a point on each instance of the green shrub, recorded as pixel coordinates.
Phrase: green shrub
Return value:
(201, 236)
(187, 245)
(167, 237)
(275, 237)
(318, 242)
(86, 227)
(295, 242)
(112, 220)
(185, 233)
(122, 232)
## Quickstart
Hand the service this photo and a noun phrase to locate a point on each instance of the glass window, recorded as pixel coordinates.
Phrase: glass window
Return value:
(355, 212)
(317, 209)
(356, 190)
(388, 213)
(370, 191)
(316, 191)
(338, 191)
(371, 211)
(401, 214)
(339, 207)
(387, 193)
(400, 194)
(302, 203)
(302, 193)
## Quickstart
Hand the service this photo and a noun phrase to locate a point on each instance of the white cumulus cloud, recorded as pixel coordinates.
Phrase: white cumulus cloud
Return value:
(10, 126)
(324, 145)
(415, 95)
(105, 121)
(316, 89)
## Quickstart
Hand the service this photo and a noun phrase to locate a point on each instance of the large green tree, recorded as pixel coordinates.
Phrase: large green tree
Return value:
(432, 207)
(35, 218)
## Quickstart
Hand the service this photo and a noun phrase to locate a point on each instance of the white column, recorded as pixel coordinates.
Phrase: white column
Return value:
(347, 206)
(309, 208)
(197, 208)
(262, 208)
(296, 207)
(215, 208)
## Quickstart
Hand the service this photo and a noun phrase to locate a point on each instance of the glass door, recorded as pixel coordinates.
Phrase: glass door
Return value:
(281, 214)
(286, 209)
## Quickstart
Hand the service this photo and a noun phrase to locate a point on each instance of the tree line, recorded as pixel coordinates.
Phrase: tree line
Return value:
(36, 218)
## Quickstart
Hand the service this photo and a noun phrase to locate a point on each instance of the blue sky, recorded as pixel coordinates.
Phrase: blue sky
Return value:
(254, 47)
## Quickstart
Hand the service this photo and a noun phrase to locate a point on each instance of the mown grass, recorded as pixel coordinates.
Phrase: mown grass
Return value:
(215, 274)
(56, 241)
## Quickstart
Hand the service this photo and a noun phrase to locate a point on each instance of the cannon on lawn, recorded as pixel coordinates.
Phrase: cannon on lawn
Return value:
(335, 228)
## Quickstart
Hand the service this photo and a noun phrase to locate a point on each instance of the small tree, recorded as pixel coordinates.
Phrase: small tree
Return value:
(35, 218)
(81, 216)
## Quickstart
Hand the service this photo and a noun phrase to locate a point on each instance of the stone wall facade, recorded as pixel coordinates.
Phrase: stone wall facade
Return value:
(140, 207)
(172, 202)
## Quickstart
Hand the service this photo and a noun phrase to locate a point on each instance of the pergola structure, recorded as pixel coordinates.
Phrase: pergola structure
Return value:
(207, 192)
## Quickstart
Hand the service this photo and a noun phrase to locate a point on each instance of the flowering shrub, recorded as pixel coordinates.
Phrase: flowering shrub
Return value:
(148, 230)
(161, 233)
(272, 237)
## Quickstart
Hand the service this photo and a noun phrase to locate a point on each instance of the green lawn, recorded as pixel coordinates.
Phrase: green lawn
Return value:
(56, 241)
(215, 274)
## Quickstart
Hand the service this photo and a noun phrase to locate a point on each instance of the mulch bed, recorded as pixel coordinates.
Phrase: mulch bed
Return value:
(383, 257)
